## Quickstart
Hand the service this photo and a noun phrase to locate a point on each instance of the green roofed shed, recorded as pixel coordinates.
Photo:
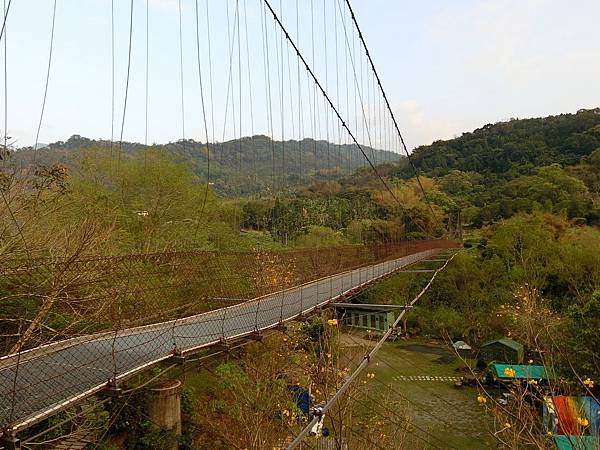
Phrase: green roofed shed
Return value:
(520, 371)
(502, 350)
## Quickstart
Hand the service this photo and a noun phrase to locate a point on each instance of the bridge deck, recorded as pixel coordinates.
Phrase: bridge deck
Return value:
(42, 381)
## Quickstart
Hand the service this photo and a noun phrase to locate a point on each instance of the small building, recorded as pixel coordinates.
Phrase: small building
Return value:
(461, 345)
(463, 349)
(367, 316)
(501, 350)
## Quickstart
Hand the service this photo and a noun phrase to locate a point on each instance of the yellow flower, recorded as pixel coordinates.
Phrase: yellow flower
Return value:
(532, 382)
(507, 425)
(588, 382)
(332, 322)
(556, 420)
(481, 399)
(509, 372)
(550, 433)
(583, 421)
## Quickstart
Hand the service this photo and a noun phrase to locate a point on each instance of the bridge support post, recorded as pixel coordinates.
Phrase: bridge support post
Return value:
(164, 408)
(10, 442)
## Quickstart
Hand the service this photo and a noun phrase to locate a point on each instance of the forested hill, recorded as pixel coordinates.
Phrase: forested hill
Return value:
(515, 147)
(549, 164)
(236, 167)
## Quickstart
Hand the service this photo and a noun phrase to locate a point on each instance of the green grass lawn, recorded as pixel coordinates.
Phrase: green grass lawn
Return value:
(439, 408)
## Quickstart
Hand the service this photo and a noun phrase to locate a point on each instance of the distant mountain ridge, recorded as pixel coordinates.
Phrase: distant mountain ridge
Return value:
(515, 147)
(238, 166)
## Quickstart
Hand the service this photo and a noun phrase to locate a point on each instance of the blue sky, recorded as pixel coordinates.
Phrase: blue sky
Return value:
(448, 66)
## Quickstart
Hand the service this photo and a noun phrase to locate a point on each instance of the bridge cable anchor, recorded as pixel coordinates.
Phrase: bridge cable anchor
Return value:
(223, 345)
(178, 357)
(256, 336)
(112, 389)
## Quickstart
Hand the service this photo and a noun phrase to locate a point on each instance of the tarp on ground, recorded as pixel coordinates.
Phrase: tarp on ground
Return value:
(561, 414)
(567, 412)
(301, 396)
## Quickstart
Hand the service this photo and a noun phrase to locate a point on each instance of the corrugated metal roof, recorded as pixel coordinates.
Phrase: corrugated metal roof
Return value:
(368, 306)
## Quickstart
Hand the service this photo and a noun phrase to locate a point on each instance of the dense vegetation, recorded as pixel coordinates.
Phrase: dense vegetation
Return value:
(526, 194)
(549, 164)
(237, 167)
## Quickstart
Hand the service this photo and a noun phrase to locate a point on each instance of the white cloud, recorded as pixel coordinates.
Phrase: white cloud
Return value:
(420, 127)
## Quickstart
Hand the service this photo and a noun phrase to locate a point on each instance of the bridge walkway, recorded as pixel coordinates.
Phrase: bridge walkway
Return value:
(39, 382)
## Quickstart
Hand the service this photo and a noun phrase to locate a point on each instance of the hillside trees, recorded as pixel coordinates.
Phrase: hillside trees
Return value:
(155, 202)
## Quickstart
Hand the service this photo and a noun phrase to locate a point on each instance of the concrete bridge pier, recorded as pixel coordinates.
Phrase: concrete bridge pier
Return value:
(164, 406)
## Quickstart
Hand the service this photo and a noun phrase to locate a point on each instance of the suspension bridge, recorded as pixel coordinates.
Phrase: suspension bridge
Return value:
(154, 308)
(37, 383)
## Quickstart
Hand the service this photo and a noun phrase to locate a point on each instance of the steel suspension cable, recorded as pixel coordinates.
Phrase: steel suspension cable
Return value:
(146, 80)
(39, 127)
(181, 77)
(210, 77)
(318, 86)
(393, 118)
(5, 87)
(250, 102)
(6, 9)
(269, 105)
(126, 83)
(112, 72)
(300, 116)
(204, 121)
(280, 76)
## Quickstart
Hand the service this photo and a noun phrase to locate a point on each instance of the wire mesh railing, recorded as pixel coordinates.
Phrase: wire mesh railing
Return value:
(72, 327)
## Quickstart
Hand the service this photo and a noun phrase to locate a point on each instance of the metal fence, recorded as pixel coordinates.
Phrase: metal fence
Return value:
(75, 326)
